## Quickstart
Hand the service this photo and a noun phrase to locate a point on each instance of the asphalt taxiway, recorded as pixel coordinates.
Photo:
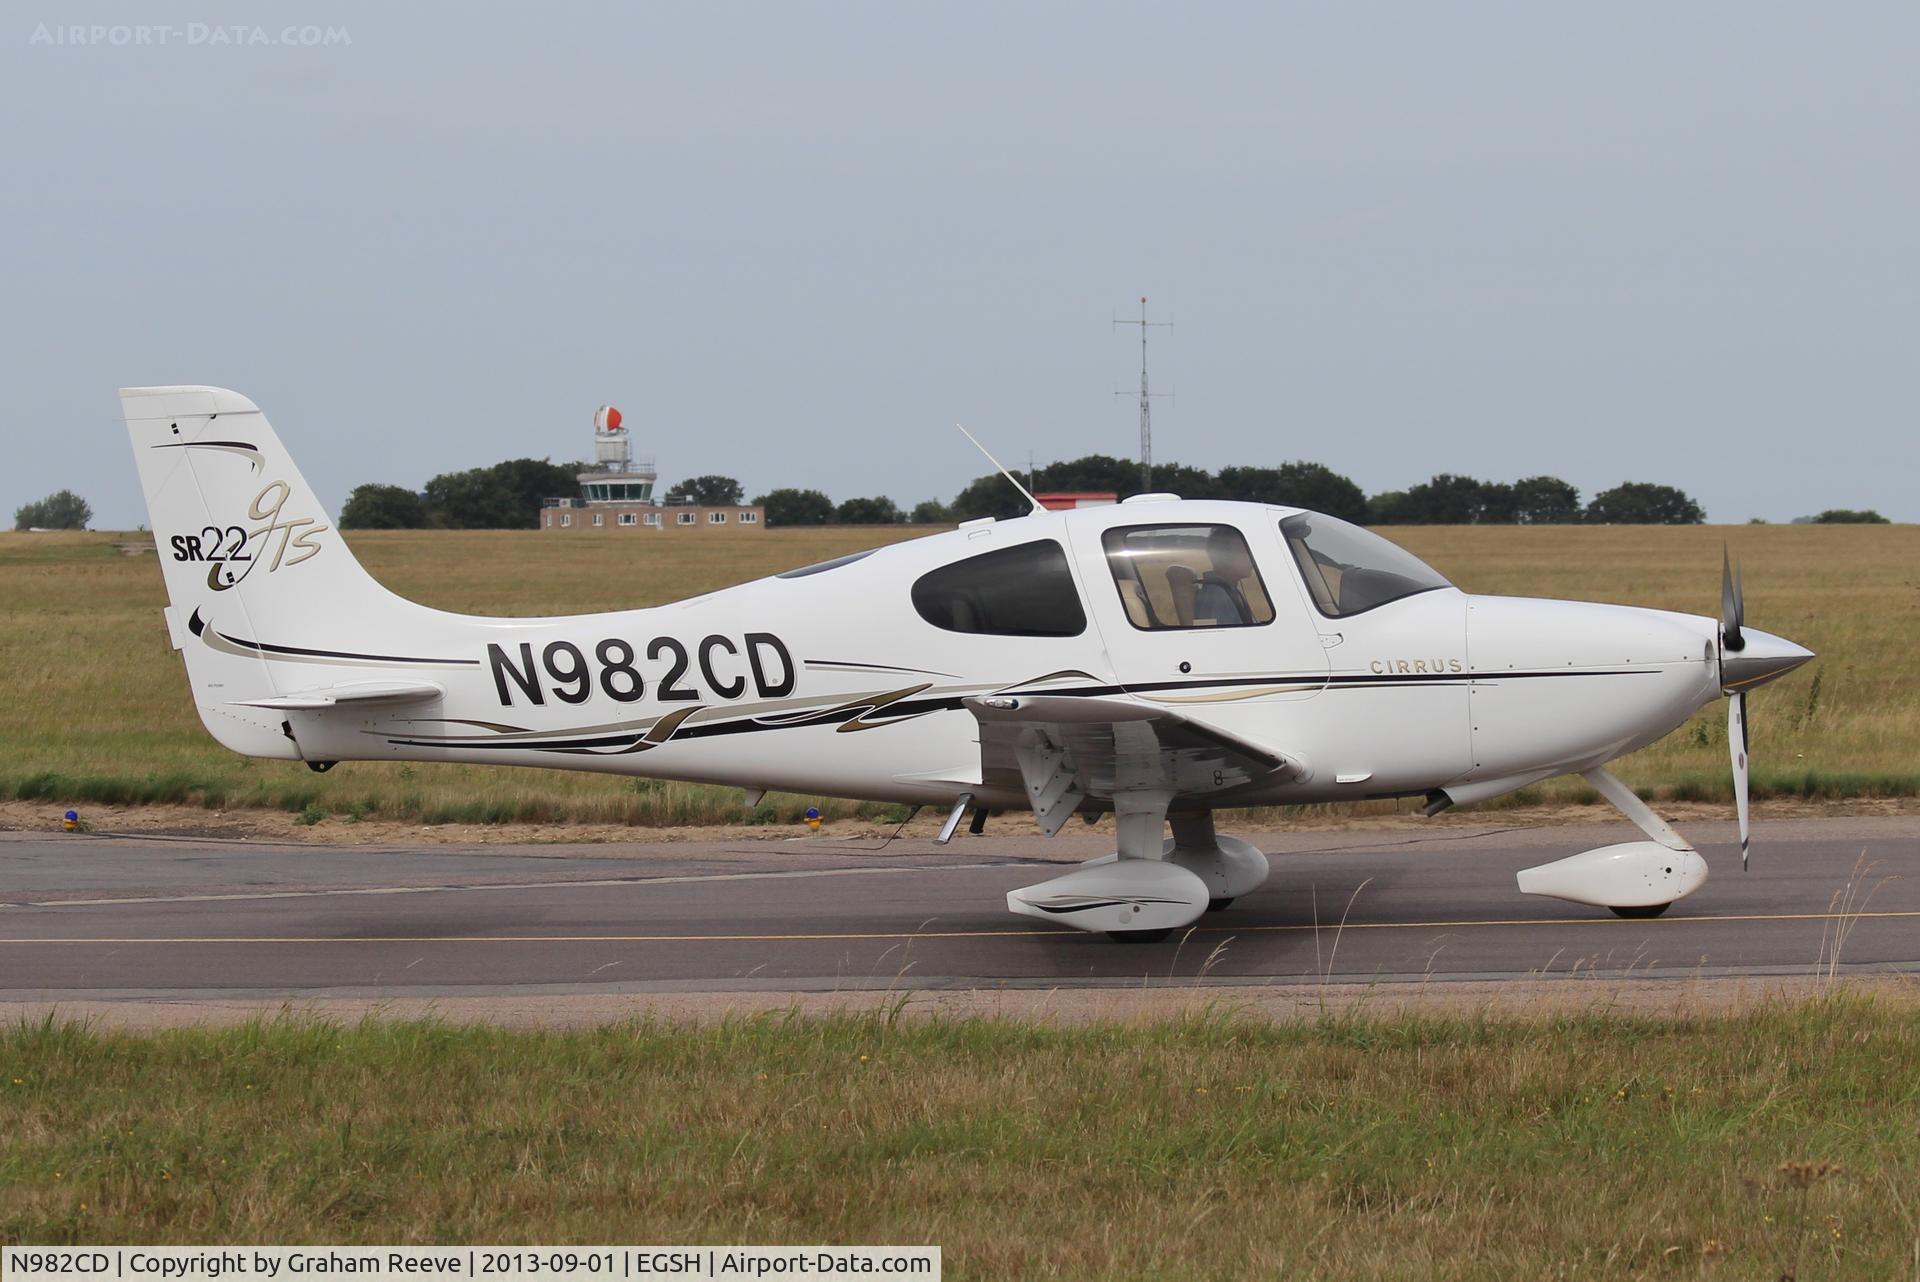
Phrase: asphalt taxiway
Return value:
(91, 917)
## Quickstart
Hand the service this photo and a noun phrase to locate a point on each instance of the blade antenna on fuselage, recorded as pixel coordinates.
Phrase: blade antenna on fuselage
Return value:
(1024, 492)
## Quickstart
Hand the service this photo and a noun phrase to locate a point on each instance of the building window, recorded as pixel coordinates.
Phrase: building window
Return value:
(598, 519)
(716, 518)
(749, 518)
(653, 519)
(566, 518)
(1186, 576)
(629, 518)
(685, 518)
(546, 519)
(1023, 591)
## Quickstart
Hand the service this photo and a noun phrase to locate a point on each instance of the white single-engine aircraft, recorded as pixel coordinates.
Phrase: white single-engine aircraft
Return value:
(1160, 658)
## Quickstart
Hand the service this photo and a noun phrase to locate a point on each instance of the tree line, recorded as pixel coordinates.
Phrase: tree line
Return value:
(509, 495)
(506, 496)
(1447, 499)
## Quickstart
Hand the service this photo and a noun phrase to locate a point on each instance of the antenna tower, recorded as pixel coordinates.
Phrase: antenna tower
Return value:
(1146, 397)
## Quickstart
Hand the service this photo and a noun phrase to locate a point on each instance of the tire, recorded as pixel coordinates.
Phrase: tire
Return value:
(1140, 936)
(1645, 910)
(1219, 905)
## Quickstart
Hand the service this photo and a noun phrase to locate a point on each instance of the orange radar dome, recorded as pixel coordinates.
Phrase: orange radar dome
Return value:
(606, 419)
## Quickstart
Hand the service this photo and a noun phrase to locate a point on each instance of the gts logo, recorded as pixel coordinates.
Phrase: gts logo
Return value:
(224, 549)
(724, 668)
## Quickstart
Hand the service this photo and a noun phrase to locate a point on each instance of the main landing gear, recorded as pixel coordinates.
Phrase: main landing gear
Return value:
(1154, 884)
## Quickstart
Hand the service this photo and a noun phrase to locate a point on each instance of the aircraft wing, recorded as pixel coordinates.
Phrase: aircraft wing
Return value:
(1063, 749)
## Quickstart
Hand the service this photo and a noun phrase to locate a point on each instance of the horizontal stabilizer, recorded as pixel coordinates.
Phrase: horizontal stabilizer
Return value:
(358, 694)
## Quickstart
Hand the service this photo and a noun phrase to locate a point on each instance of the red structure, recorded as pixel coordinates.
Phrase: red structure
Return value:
(1067, 500)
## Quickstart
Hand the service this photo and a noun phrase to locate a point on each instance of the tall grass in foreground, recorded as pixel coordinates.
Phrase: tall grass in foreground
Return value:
(97, 708)
(1776, 1142)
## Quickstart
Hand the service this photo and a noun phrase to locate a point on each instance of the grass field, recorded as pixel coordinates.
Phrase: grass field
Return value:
(97, 708)
(1779, 1142)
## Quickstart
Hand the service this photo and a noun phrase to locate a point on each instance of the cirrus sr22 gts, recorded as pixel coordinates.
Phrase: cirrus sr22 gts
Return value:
(1162, 659)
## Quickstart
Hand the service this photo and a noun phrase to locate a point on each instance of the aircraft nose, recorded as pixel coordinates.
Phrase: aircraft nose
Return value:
(1763, 658)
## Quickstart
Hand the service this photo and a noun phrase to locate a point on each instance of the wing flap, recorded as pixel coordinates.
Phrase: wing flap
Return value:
(1066, 749)
(356, 694)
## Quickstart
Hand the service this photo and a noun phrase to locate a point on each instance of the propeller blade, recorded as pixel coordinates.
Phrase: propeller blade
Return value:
(1737, 746)
(1733, 604)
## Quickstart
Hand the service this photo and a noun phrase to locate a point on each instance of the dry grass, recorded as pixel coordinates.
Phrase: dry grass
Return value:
(97, 708)
(1776, 1142)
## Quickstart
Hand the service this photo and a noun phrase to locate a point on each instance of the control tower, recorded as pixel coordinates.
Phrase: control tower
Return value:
(617, 492)
(617, 476)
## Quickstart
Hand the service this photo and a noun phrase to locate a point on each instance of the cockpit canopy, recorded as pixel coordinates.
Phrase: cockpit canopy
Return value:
(1349, 570)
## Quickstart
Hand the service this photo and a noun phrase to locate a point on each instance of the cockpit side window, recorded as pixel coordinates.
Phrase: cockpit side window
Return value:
(1186, 576)
(1022, 591)
(1349, 570)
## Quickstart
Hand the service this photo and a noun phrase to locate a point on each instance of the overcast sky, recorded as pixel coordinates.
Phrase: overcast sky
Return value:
(795, 243)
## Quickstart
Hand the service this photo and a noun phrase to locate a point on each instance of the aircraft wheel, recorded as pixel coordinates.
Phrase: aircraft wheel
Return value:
(1219, 905)
(1645, 910)
(1140, 936)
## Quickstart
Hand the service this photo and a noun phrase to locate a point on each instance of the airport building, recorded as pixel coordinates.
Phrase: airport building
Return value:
(617, 492)
(1068, 500)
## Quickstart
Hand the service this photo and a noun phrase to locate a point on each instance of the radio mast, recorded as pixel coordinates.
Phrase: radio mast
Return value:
(1146, 397)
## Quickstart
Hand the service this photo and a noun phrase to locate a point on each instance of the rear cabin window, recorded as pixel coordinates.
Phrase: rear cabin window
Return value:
(1024, 591)
(1186, 576)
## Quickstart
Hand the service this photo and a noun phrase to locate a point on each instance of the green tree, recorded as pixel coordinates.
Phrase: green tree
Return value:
(990, 495)
(707, 491)
(1312, 486)
(1099, 473)
(796, 507)
(1498, 505)
(505, 496)
(532, 480)
(930, 512)
(1175, 478)
(474, 499)
(874, 511)
(1448, 499)
(1389, 507)
(1644, 503)
(62, 510)
(1850, 516)
(1545, 500)
(383, 507)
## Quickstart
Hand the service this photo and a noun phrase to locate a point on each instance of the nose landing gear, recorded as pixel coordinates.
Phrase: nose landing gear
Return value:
(1639, 879)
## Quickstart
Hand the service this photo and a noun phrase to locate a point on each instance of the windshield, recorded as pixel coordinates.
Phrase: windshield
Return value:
(1350, 570)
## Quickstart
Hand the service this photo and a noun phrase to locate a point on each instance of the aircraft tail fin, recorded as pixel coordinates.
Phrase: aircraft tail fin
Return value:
(258, 580)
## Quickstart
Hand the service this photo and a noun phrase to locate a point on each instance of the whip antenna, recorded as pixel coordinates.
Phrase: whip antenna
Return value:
(1011, 479)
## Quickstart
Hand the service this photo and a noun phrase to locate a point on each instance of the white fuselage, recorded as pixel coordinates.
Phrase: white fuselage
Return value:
(833, 683)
